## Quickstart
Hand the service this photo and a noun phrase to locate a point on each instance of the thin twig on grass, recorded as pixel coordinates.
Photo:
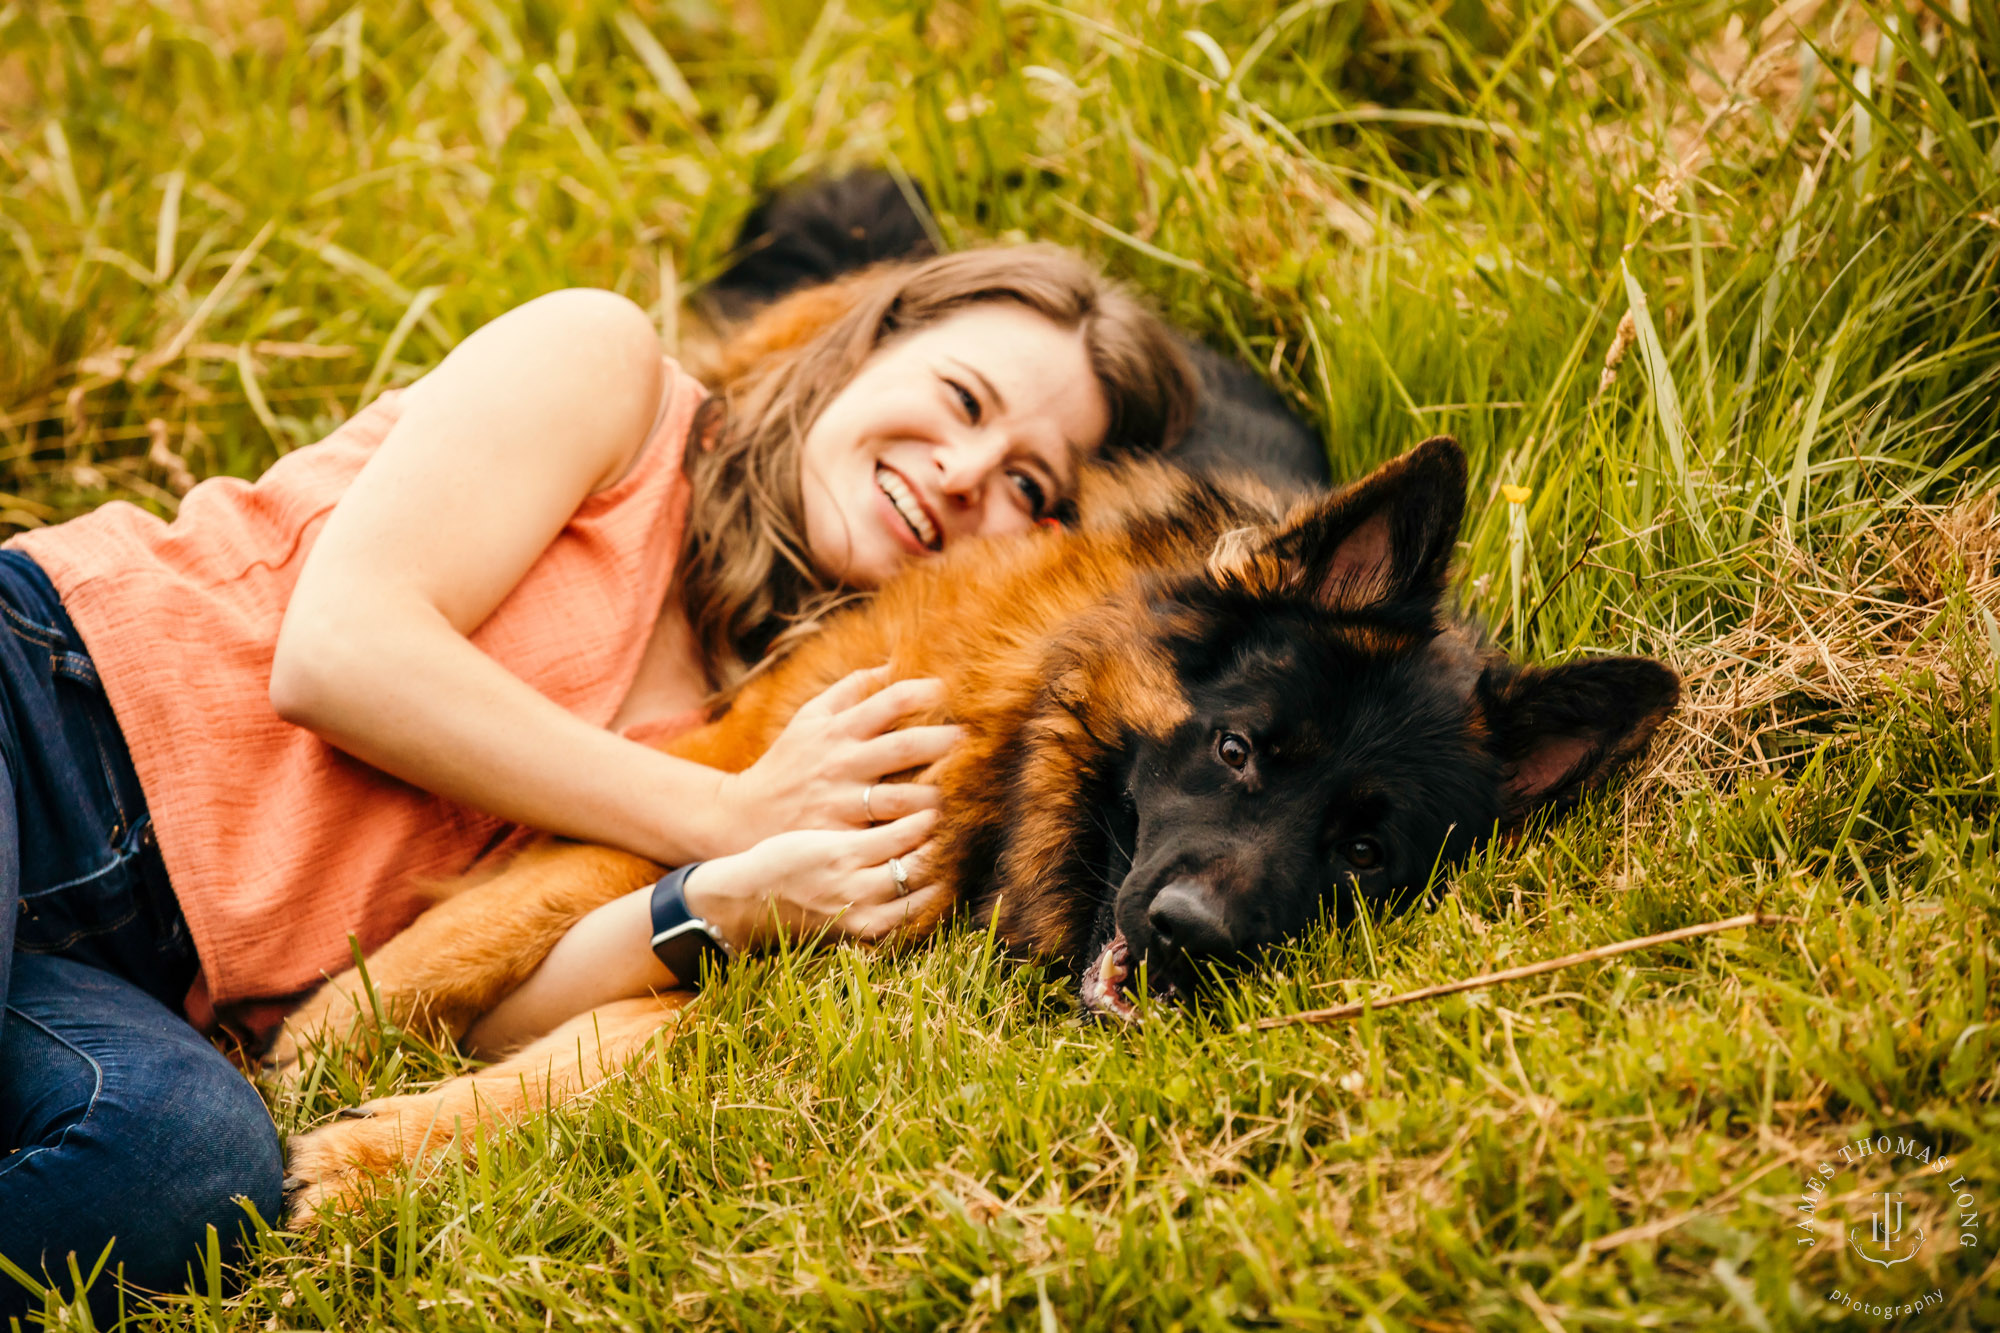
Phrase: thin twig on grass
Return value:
(1340, 1012)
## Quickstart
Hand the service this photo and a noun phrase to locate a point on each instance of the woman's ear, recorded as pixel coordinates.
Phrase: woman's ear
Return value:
(783, 327)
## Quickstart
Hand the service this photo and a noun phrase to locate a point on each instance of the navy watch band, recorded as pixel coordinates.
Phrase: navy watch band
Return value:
(681, 940)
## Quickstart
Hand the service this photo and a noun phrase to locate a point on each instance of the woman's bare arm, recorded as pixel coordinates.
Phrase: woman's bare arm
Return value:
(802, 884)
(493, 453)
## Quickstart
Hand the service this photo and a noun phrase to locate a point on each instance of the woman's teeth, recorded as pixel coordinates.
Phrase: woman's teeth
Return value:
(906, 505)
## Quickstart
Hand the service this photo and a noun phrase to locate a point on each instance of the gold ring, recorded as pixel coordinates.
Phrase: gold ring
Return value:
(866, 810)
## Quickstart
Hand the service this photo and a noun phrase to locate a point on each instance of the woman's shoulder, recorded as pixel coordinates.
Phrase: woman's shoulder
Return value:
(584, 356)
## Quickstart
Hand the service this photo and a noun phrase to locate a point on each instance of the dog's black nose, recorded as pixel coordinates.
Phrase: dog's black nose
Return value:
(1187, 915)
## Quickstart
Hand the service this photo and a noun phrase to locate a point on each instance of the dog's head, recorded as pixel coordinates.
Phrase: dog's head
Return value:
(1331, 738)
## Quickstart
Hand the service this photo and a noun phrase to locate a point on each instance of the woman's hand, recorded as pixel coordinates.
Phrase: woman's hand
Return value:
(833, 750)
(813, 880)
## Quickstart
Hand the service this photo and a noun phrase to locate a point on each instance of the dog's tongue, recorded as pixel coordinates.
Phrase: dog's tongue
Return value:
(1104, 981)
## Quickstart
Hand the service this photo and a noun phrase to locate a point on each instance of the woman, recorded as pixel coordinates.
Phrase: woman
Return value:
(236, 741)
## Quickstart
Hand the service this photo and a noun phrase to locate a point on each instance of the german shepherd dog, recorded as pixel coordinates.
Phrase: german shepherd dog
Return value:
(1196, 722)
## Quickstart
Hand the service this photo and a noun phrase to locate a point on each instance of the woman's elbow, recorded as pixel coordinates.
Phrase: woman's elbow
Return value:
(305, 680)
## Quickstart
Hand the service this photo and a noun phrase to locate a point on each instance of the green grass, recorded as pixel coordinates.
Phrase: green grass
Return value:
(236, 223)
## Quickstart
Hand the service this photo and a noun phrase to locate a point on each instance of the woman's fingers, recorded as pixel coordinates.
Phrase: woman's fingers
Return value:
(843, 883)
(899, 837)
(849, 690)
(893, 800)
(882, 919)
(912, 747)
(875, 714)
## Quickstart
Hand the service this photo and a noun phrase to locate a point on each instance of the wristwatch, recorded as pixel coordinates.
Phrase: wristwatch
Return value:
(682, 940)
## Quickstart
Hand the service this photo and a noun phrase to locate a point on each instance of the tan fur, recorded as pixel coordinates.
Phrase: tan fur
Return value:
(781, 327)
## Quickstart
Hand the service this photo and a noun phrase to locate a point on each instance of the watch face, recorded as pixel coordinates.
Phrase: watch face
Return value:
(680, 938)
(683, 949)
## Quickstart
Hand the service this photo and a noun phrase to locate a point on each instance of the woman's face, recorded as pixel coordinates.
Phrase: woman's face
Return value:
(969, 427)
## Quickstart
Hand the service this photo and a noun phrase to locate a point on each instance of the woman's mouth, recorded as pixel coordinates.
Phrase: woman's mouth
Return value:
(909, 512)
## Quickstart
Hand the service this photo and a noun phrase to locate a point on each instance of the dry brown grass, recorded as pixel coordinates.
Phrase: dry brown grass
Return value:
(1834, 634)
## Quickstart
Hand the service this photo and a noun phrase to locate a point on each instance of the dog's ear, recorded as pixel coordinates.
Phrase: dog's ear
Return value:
(1558, 730)
(1386, 538)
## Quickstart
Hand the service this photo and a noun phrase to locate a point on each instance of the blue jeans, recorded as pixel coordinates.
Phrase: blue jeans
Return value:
(119, 1123)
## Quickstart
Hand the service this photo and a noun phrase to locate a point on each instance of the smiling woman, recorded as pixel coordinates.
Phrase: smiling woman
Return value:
(473, 613)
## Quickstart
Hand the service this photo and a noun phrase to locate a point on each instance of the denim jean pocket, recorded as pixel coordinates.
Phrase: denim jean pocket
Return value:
(122, 917)
(58, 918)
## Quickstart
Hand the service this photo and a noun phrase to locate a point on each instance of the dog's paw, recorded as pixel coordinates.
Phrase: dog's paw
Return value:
(335, 1165)
(318, 1180)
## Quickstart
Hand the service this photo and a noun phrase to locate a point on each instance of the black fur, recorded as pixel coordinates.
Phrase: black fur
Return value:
(814, 233)
(1343, 745)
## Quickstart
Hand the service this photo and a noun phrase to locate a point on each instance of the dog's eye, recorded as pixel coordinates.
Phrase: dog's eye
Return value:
(1232, 749)
(1361, 853)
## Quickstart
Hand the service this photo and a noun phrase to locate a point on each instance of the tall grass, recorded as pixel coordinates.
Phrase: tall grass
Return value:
(225, 225)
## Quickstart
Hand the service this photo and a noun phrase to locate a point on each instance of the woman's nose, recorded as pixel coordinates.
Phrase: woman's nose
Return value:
(965, 463)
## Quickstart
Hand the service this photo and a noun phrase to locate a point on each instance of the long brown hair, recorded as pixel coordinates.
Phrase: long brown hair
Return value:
(746, 575)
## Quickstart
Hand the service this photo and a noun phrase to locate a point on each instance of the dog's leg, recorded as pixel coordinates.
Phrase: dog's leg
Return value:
(332, 1164)
(462, 956)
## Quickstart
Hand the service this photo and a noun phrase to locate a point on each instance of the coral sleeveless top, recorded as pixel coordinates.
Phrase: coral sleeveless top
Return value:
(278, 845)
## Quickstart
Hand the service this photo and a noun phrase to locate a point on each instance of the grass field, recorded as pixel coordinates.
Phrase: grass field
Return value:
(1708, 288)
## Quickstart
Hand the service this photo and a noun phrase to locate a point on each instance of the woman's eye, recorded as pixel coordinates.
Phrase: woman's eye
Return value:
(1031, 491)
(1232, 749)
(1361, 853)
(967, 400)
